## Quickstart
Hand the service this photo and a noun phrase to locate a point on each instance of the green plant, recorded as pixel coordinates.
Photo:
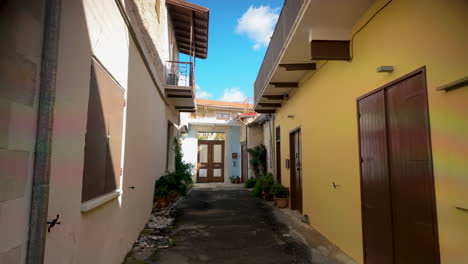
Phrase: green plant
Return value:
(258, 160)
(263, 184)
(279, 191)
(183, 170)
(174, 183)
(232, 179)
(250, 183)
(161, 191)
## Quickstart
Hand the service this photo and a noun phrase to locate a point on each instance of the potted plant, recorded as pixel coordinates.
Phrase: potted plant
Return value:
(266, 182)
(238, 180)
(232, 179)
(161, 196)
(281, 195)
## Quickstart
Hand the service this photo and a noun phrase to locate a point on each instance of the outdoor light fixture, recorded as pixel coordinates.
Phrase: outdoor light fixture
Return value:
(385, 69)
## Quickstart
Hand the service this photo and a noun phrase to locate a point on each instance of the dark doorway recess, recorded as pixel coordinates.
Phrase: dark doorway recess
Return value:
(397, 184)
(278, 155)
(296, 170)
(244, 161)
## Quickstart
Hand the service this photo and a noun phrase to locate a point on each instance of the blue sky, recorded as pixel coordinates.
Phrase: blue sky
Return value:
(238, 37)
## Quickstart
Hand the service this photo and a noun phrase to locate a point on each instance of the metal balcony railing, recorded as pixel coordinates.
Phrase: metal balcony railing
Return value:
(283, 28)
(179, 73)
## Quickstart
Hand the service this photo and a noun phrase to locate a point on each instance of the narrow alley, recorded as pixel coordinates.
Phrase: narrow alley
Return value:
(219, 225)
(233, 132)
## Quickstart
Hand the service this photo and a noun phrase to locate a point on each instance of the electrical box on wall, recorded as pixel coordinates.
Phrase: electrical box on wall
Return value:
(286, 163)
(234, 155)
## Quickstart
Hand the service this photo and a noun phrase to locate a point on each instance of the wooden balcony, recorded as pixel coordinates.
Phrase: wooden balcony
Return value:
(179, 85)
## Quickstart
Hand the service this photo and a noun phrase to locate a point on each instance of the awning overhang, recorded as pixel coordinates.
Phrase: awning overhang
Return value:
(191, 25)
(322, 30)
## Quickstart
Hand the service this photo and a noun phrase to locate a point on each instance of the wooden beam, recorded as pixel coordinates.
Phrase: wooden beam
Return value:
(178, 24)
(330, 49)
(188, 110)
(454, 85)
(299, 66)
(265, 111)
(183, 40)
(169, 90)
(178, 96)
(285, 84)
(273, 96)
(185, 107)
(270, 104)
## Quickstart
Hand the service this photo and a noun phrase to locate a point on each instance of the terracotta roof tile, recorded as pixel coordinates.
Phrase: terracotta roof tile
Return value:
(223, 104)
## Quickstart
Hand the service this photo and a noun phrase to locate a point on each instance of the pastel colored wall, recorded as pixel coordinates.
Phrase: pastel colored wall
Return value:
(234, 147)
(408, 35)
(231, 144)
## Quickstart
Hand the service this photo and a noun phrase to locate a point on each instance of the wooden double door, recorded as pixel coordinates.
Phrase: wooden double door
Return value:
(210, 161)
(397, 186)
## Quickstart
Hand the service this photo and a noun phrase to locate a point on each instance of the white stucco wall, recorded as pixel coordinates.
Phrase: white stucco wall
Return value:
(105, 234)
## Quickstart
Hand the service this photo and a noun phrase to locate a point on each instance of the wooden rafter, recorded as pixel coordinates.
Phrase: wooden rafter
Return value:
(273, 96)
(285, 84)
(270, 104)
(299, 66)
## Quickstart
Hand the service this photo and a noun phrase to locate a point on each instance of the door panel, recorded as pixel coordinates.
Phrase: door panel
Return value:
(244, 162)
(411, 172)
(203, 162)
(375, 189)
(398, 200)
(278, 162)
(296, 171)
(217, 148)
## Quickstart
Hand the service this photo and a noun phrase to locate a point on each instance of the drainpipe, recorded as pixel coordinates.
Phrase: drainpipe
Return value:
(45, 121)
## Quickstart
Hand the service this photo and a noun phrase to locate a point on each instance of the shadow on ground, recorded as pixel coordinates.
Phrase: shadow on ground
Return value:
(229, 226)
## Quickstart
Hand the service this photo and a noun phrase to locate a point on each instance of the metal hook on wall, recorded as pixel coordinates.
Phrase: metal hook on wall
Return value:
(335, 185)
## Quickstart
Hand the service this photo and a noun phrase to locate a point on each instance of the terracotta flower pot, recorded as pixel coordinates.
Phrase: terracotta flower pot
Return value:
(282, 202)
(267, 196)
(163, 202)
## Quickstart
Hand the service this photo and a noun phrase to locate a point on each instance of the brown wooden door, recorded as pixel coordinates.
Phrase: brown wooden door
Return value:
(278, 162)
(244, 162)
(375, 190)
(398, 200)
(278, 155)
(210, 161)
(296, 170)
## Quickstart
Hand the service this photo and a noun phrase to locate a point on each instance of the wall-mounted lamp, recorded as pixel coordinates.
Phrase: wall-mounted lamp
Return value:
(387, 68)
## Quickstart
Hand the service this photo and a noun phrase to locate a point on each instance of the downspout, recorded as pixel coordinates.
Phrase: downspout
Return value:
(45, 121)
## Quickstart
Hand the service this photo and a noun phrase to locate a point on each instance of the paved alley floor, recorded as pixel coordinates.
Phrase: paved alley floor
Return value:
(225, 224)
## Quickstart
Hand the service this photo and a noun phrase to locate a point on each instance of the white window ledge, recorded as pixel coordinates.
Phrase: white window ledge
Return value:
(98, 201)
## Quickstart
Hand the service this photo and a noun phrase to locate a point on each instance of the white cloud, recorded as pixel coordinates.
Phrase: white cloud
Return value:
(233, 95)
(202, 94)
(258, 23)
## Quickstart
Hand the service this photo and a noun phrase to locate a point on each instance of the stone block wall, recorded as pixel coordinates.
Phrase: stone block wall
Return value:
(21, 27)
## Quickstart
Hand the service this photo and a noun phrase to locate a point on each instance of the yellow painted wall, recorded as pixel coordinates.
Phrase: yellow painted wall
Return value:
(407, 34)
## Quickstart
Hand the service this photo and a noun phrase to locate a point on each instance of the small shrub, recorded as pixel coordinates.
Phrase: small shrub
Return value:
(257, 190)
(279, 191)
(250, 183)
(263, 184)
(258, 160)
